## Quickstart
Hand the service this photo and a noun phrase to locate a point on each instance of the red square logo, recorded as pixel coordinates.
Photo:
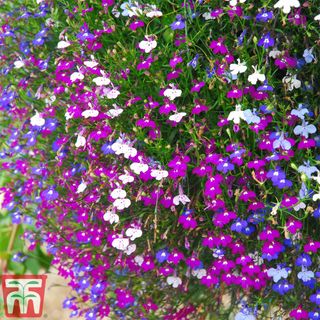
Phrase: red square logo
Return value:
(23, 295)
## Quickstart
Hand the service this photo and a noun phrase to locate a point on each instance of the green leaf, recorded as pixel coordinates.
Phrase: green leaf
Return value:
(16, 296)
(14, 282)
(30, 296)
(32, 282)
(32, 265)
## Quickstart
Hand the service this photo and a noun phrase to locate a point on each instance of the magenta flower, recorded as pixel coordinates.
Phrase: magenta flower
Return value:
(187, 221)
(175, 257)
(235, 93)
(299, 313)
(293, 225)
(217, 46)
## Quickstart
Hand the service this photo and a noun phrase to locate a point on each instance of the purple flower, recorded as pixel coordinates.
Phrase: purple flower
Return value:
(314, 315)
(266, 41)
(282, 287)
(303, 260)
(238, 225)
(162, 255)
(264, 16)
(179, 23)
(315, 298)
(225, 166)
(276, 174)
(194, 62)
(49, 194)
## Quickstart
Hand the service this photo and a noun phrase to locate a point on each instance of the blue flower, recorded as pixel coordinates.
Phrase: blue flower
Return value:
(194, 62)
(308, 56)
(162, 255)
(315, 298)
(266, 41)
(264, 16)
(179, 23)
(282, 287)
(314, 315)
(303, 260)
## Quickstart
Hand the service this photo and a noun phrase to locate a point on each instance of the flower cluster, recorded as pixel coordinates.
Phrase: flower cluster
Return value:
(167, 152)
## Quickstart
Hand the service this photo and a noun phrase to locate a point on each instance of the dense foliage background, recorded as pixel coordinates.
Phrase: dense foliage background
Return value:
(165, 153)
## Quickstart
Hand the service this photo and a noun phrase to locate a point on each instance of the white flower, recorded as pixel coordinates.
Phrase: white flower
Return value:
(122, 148)
(91, 63)
(291, 82)
(138, 167)
(130, 249)
(287, 4)
(239, 67)
(254, 77)
(177, 117)
(63, 44)
(111, 217)
(274, 53)
(81, 187)
(126, 178)
(180, 198)
(138, 260)
(18, 64)
(90, 113)
(175, 282)
(199, 273)
(37, 120)
(207, 16)
(121, 204)
(172, 93)
(118, 193)
(159, 174)
(235, 2)
(120, 243)
(317, 17)
(316, 196)
(147, 45)
(81, 141)
(112, 93)
(236, 115)
(152, 11)
(76, 76)
(113, 113)
(101, 81)
(133, 233)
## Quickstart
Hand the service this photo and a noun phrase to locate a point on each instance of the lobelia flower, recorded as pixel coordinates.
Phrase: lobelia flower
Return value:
(147, 45)
(180, 198)
(315, 298)
(264, 15)
(304, 129)
(236, 115)
(282, 287)
(194, 62)
(187, 221)
(217, 46)
(308, 55)
(254, 77)
(239, 67)
(286, 5)
(179, 24)
(266, 41)
(291, 82)
(172, 93)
